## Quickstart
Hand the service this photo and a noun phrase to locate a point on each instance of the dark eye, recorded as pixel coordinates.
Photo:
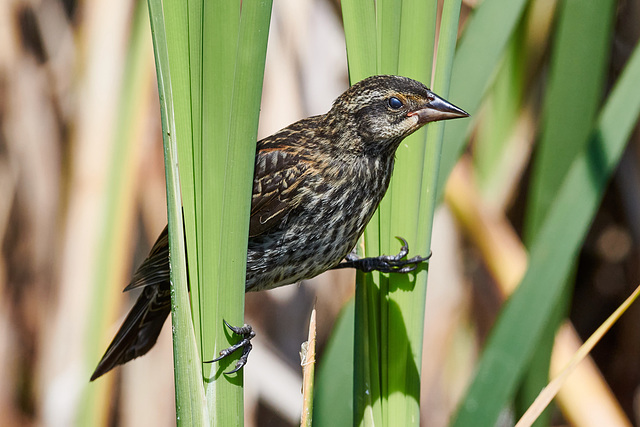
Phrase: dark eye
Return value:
(395, 103)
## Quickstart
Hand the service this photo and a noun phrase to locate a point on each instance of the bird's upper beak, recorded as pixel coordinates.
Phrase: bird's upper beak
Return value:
(438, 109)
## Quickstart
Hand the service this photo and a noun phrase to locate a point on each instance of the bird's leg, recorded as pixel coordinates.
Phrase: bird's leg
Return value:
(384, 263)
(246, 332)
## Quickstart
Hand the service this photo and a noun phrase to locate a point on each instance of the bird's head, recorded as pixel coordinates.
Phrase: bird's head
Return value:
(383, 110)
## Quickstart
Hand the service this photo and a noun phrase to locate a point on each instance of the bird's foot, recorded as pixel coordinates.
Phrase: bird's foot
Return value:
(246, 332)
(384, 263)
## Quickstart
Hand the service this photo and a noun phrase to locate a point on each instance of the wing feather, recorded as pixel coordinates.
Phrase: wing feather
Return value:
(278, 175)
(155, 268)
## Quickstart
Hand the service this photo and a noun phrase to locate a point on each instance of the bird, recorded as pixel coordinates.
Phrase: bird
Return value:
(316, 185)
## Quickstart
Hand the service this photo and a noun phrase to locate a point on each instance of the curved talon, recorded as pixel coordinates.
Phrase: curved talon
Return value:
(242, 360)
(412, 263)
(247, 333)
(241, 330)
(404, 250)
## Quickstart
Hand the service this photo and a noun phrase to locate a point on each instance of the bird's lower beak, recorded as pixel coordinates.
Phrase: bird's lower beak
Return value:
(438, 109)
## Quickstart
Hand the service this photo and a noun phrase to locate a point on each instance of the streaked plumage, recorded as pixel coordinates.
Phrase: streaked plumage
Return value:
(316, 185)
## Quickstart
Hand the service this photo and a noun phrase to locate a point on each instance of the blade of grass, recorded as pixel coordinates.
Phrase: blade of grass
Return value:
(388, 16)
(412, 208)
(389, 323)
(442, 81)
(221, 21)
(500, 114)
(333, 400)
(515, 335)
(226, 210)
(551, 390)
(359, 19)
(477, 57)
(389, 19)
(586, 399)
(497, 151)
(178, 42)
(191, 406)
(576, 82)
(191, 163)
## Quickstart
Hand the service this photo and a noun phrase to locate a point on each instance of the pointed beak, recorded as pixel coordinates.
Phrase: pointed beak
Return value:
(438, 109)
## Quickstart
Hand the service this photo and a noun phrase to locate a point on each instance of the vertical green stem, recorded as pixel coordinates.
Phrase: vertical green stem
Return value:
(225, 291)
(390, 308)
(191, 408)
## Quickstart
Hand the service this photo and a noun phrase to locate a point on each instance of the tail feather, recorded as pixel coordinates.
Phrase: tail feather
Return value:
(140, 330)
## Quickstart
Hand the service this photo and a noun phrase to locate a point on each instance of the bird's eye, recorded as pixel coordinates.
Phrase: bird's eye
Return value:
(395, 103)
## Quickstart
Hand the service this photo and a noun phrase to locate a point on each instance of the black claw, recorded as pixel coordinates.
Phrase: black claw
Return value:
(243, 359)
(242, 330)
(385, 263)
(404, 250)
(246, 332)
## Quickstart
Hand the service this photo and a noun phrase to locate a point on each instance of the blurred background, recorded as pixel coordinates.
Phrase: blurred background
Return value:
(80, 147)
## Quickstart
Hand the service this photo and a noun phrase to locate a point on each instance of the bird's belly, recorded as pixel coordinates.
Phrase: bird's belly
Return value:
(315, 239)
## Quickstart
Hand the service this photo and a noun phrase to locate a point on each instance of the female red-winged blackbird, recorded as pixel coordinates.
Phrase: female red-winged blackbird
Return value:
(316, 184)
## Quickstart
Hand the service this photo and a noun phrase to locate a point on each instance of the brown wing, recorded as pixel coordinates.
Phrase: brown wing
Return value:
(277, 179)
(155, 269)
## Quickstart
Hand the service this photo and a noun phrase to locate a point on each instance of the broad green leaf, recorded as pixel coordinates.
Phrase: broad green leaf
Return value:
(516, 333)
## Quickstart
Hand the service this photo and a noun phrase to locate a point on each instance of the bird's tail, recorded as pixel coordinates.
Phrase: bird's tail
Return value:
(143, 324)
(139, 332)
